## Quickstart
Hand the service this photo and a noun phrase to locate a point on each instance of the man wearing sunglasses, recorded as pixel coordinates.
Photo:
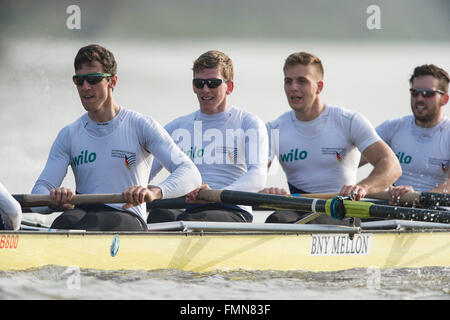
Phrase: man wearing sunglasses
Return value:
(110, 150)
(421, 141)
(318, 145)
(228, 145)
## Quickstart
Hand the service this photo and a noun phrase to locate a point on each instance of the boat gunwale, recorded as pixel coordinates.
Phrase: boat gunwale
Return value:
(215, 233)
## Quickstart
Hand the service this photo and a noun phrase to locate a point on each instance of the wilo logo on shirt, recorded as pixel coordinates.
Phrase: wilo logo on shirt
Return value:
(402, 158)
(212, 147)
(293, 155)
(193, 152)
(84, 157)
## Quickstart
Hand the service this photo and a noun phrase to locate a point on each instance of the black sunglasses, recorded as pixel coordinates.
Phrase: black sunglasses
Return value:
(211, 83)
(426, 93)
(91, 78)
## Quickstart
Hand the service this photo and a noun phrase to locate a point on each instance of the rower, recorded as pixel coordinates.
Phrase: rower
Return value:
(318, 145)
(228, 145)
(421, 141)
(10, 211)
(110, 149)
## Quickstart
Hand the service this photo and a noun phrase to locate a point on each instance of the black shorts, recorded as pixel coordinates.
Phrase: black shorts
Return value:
(218, 212)
(99, 218)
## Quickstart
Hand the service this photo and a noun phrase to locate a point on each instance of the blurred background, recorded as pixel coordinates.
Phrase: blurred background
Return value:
(368, 57)
(412, 20)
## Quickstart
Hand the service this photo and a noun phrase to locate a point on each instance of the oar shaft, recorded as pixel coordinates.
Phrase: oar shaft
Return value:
(262, 199)
(174, 203)
(356, 209)
(359, 209)
(405, 213)
(435, 199)
(409, 198)
(414, 198)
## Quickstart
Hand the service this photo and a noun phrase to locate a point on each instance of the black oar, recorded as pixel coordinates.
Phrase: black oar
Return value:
(336, 207)
(174, 203)
(409, 198)
(418, 198)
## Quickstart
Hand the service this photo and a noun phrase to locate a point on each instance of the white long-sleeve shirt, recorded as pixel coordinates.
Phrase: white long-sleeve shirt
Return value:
(10, 210)
(111, 156)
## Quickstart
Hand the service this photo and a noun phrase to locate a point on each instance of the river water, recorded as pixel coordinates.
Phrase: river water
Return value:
(38, 98)
(59, 283)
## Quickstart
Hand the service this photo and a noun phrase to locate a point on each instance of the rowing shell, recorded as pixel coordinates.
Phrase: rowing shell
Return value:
(212, 246)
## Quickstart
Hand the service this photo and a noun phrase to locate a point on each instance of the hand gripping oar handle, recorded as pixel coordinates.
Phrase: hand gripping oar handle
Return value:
(411, 197)
(37, 200)
(210, 195)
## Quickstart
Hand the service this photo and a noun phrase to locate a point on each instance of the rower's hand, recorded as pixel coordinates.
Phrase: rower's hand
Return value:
(356, 192)
(136, 195)
(62, 197)
(192, 197)
(397, 192)
(274, 190)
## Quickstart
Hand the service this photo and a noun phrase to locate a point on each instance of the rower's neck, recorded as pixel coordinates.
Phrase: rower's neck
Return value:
(106, 113)
(311, 113)
(431, 123)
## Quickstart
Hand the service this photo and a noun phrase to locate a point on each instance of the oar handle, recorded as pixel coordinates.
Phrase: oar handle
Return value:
(210, 195)
(318, 195)
(38, 200)
(411, 197)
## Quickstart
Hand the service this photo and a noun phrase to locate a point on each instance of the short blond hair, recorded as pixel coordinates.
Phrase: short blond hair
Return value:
(305, 59)
(215, 59)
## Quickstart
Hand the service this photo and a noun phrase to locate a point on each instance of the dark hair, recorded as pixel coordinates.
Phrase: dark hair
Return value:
(95, 52)
(432, 70)
(215, 59)
(305, 59)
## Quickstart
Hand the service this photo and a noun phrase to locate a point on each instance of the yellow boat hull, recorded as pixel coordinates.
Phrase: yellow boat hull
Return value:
(204, 252)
